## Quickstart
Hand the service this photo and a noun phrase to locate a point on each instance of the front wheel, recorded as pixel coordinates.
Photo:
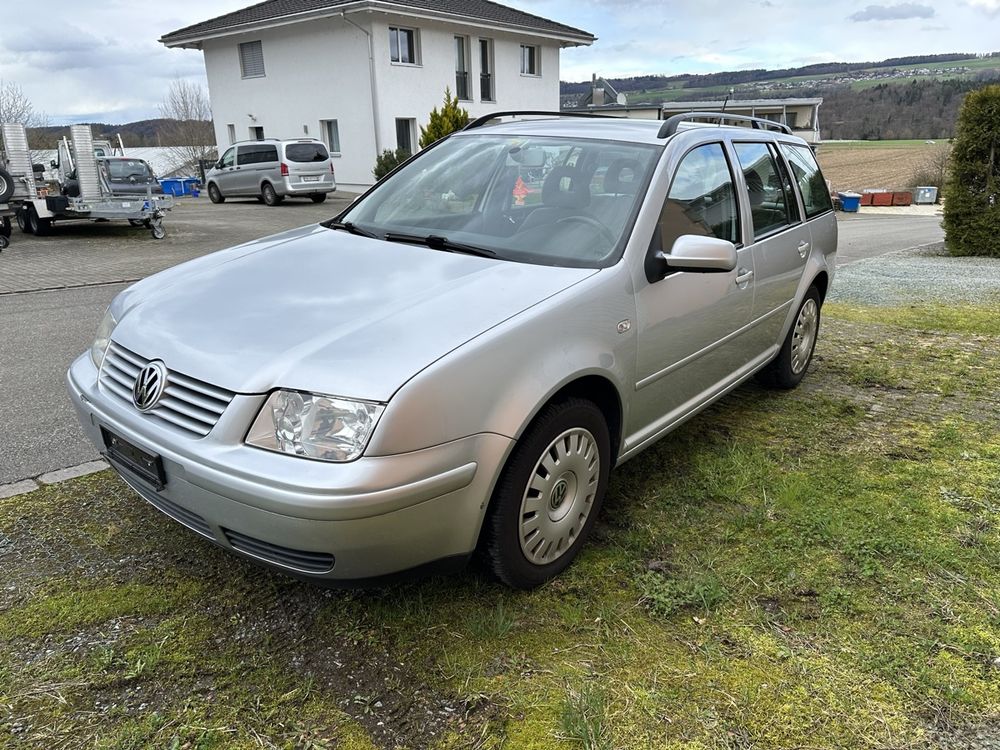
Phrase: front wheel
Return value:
(549, 494)
(37, 225)
(214, 194)
(789, 367)
(21, 216)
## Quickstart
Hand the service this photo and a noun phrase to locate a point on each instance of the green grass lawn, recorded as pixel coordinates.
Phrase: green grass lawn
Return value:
(808, 569)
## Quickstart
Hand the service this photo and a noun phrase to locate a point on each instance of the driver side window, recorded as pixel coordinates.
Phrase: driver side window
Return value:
(228, 158)
(702, 199)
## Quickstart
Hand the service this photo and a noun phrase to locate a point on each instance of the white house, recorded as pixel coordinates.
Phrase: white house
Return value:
(363, 75)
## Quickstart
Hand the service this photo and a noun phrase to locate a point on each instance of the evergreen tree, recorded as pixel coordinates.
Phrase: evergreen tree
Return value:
(972, 192)
(450, 118)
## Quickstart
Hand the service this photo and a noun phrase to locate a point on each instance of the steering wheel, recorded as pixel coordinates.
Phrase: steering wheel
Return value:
(595, 223)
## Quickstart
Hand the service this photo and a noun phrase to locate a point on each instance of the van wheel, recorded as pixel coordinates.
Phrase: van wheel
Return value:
(37, 226)
(318, 197)
(269, 195)
(214, 194)
(549, 494)
(789, 367)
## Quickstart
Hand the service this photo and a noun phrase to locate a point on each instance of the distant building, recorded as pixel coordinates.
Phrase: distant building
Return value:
(363, 75)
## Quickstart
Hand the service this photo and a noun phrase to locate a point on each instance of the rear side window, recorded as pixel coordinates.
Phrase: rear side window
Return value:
(256, 154)
(815, 194)
(771, 207)
(304, 152)
(702, 199)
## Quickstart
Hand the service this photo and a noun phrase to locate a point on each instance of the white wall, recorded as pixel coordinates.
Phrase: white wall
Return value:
(319, 70)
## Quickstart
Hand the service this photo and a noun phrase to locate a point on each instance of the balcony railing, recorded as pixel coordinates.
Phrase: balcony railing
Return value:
(462, 85)
(486, 87)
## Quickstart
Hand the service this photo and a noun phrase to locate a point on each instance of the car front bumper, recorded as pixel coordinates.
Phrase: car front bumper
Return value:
(369, 518)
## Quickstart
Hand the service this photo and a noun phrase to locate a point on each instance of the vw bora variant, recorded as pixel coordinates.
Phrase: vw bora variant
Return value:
(457, 361)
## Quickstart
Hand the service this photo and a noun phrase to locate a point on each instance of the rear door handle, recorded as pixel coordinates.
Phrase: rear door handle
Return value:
(803, 249)
(743, 276)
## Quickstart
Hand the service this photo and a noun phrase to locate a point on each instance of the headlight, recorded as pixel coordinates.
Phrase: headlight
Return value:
(102, 339)
(314, 426)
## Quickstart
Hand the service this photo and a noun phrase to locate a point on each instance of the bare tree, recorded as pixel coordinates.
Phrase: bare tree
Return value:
(188, 132)
(15, 106)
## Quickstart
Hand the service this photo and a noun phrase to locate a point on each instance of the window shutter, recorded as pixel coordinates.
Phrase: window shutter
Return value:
(252, 59)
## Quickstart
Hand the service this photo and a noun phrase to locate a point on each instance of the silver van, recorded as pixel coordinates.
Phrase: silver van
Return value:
(272, 170)
(458, 360)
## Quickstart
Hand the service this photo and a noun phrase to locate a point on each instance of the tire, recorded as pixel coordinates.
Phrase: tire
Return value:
(158, 232)
(136, 222)
(38, 226)
(318, 197)
(214, 194)
(5, 227)
(22, 220)
(789, 367)
(6, 185)
(536, 524)
(270, 196)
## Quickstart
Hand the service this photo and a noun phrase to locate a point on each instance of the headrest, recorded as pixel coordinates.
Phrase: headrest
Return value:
(622, 177)
(755, 187)
(565, 187)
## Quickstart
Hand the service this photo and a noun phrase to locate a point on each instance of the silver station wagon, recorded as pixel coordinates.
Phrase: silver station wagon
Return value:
(457, 361)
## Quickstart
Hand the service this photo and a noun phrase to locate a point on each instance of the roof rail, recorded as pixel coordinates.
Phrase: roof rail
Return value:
(671, 124)
(480, 121)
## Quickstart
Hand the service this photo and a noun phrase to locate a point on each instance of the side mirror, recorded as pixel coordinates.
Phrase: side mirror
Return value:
(696, 254)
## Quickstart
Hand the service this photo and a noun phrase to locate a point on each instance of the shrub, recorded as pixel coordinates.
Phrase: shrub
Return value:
(933, 171)
(445, 121)
(972, 191)
(388, 160)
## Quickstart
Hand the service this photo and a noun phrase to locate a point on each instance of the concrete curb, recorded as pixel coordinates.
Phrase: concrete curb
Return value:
(24, 486)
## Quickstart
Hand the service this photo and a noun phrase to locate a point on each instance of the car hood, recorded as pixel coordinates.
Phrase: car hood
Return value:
(325, 311)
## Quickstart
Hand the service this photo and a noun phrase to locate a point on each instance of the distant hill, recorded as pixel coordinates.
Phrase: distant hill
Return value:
(902, 97)
(157, 132)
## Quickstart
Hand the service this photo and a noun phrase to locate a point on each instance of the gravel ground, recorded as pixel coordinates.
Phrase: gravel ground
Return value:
(918, 275)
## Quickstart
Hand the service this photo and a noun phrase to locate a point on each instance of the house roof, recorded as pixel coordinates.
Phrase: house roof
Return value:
(283, 11)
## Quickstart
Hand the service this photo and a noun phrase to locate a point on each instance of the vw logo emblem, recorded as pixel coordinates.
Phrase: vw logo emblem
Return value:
(558, 494)
(149, 385)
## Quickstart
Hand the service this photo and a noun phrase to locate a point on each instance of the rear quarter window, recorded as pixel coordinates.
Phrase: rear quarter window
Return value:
(815, 194)
(306, 152)
(257, 154)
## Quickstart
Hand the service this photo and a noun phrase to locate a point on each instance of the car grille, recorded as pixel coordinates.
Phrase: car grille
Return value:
(169, 508)
(307, 562)
(189, 405)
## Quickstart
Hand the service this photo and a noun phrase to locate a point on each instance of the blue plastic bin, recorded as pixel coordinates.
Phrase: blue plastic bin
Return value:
(850, 202)
(190, 184)
(172, 187)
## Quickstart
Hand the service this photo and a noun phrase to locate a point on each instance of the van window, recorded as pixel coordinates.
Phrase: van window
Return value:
(228, 158)
(304, 152)
(815, 194)
(256, 155)
(769, 205)
(702, 199)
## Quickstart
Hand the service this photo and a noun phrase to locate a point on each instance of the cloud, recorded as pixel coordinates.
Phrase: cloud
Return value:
(899, 12)
(992, 7)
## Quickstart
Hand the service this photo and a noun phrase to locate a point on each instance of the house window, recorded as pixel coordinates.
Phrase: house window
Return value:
(486, 92)
(462, 68)
(403, 45)
(529, 60)
(404, 133)
(256, 133)
(331, 134)
(231, 132)
(252, 60)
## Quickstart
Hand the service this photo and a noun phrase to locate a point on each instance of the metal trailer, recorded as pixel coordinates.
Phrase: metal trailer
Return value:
(37, 209)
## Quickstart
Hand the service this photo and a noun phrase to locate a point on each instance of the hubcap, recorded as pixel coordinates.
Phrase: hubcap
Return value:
(804, 335)
(559, 496)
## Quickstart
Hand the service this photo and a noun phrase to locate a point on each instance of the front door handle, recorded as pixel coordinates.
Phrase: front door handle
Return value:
(803, 249)
(743, 276)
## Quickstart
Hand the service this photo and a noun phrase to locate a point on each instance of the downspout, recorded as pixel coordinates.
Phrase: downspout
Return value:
(371, 73)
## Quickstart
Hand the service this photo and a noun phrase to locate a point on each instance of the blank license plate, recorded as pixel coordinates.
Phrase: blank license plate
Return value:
(122, 454)
(310, 179)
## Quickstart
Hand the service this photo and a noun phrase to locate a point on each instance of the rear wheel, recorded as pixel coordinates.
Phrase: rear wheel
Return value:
(549, 494)
(318, 197)
(214, 194)
(21, 217)
(269, 195)
(38, 226)
(4, 227)
(789, 367)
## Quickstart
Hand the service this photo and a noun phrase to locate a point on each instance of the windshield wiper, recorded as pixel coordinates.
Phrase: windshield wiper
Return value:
(348, 226)
(436, 242)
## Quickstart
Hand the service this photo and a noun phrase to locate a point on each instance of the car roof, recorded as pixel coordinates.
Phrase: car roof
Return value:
(617, 129)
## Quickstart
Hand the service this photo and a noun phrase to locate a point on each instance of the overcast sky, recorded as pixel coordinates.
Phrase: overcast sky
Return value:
(100, 61)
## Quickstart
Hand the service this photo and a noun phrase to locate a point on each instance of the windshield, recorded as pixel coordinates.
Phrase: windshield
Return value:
(123, 169)
(549, 200)
(306, 152)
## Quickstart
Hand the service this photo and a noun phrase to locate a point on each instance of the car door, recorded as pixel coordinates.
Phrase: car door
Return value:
(226, 177)
(247, 161)
(689, 340)
(781, 240)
